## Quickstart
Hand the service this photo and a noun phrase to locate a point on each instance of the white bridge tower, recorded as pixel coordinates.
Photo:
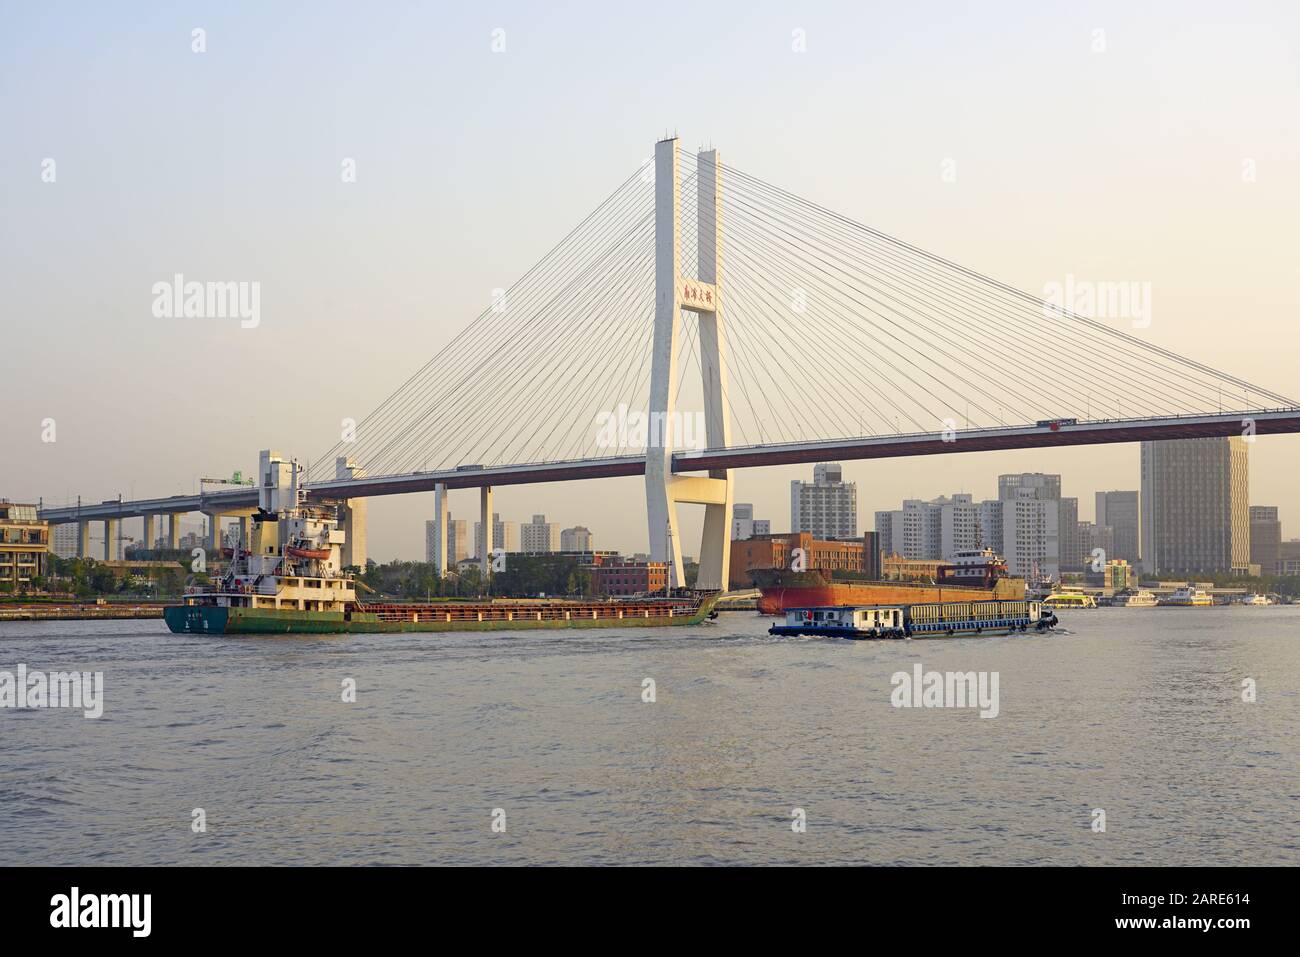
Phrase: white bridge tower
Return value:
(702, 296)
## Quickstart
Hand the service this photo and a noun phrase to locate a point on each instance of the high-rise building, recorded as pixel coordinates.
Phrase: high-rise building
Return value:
(1031, 524)
(991, 525)
(539, 536)
(577, 539)
(1098, 544)
(1071, 541)
(935, 530)
(1195, 507)
(826, 507)
(1265, 538)
(744, 525)
(65, 540)
(1122, 511)
(456, 542)
(505, 536)
(885, 531)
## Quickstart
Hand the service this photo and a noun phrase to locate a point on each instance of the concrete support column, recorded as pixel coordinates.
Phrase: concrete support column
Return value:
(352, 517)
(148, 529)
(245, 531)
(661, 515)
(441, 515)
(715, 546)
(83, 538)
(174, 531)
(110, 538)
(214, 535)
(485, 532)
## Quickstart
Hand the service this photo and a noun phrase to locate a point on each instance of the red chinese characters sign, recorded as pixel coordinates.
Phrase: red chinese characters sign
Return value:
(696, 295)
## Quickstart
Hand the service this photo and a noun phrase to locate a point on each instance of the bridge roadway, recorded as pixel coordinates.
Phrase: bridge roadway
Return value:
(1109, 431)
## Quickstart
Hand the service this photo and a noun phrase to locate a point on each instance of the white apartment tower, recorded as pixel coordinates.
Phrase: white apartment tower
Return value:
(539, 536)
(826, 507)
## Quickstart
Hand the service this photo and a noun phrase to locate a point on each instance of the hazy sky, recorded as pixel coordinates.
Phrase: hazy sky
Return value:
(1122, 163)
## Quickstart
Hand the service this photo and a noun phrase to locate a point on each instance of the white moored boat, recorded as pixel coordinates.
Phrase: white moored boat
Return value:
(1135, 599)
(1189, 596)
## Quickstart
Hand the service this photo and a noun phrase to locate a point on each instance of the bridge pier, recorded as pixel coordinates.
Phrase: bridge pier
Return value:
(147, 530)
(702, 295)
(352, 516)
(212, 543)
(485, 533)
(83, 538)
(110, 537)
(442, 514)
(174, 531)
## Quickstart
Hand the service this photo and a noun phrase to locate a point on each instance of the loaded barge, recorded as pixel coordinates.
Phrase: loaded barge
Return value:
(290, 580)
(928, 620)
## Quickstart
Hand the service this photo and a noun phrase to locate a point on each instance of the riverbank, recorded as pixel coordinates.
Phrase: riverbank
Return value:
(77, 611)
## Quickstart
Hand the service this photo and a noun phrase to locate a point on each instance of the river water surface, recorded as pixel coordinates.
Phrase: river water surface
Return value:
(1134, 712)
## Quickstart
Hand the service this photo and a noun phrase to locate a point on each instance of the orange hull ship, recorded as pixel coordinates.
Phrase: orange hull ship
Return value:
(782, 589)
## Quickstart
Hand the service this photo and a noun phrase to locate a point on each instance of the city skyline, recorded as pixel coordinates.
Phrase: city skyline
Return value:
(329, 252)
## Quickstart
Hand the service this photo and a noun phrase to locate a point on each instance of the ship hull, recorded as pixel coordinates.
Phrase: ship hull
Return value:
(215, 620)
(776, 599)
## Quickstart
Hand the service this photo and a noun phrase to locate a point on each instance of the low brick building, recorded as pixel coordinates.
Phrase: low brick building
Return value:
(613, 577)
(857, 555)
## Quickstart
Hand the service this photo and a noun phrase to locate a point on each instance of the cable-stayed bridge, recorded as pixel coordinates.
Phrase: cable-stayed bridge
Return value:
(701, 320)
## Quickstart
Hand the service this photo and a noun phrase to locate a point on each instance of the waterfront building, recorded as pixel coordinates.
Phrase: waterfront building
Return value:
(1195, 508)
(826, 507)
(1031, 524)
(860, 556)
(24, 545)
(625, 577)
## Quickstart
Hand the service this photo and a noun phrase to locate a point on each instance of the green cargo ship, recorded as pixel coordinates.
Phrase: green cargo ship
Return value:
(203, 614)
(289, 580)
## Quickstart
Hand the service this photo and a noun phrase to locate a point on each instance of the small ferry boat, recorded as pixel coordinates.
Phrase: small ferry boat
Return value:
(1069, 599)
(929, 620)
(1188, 596)
(290, 580)
(1255, 598)
(1140, 598)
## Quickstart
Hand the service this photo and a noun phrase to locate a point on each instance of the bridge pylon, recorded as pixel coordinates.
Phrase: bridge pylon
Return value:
(701, 295)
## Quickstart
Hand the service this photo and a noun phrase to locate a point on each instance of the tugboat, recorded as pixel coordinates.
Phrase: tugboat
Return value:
(291, 580)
